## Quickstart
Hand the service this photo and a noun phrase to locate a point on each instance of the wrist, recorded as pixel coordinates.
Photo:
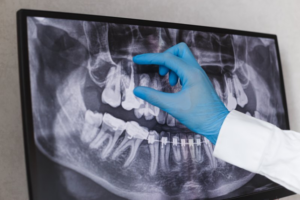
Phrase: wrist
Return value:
(213, 136)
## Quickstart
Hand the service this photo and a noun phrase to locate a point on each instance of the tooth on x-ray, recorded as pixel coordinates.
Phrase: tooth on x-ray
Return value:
(145, 108)
(134, 130)
(191, 147)
(164, 151)
(209, 152)
(133, 144)
(130, 102)
(231, 100)
(112, 93)
(217, 87)
(154, 151)
(170, 120)
(241, 97)
(198, 149)
(176, 149)
(111, 130)
(161, 117)
(184, 147)
(91, 126)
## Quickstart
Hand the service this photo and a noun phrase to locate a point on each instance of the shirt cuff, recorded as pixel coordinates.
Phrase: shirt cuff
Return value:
(242, 141)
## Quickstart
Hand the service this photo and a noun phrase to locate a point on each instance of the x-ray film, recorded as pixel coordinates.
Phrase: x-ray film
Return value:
(90, 127)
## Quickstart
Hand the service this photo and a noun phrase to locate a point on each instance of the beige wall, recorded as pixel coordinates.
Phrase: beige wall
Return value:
(280, 17)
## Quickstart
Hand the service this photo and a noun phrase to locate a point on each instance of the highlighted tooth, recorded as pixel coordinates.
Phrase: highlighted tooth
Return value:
(241, 97)
(130, 102)
(112, 92)
(231, 100)
(145, 108)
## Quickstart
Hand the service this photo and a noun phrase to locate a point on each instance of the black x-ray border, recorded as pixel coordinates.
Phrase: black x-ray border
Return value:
(30, 147)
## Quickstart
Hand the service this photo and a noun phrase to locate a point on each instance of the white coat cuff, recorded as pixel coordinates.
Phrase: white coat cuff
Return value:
(242, 141)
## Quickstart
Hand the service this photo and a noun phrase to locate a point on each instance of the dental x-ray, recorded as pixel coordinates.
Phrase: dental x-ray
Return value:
(89, 126)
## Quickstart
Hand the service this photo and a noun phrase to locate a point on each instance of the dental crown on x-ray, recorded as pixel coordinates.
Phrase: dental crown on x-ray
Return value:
(126, 145)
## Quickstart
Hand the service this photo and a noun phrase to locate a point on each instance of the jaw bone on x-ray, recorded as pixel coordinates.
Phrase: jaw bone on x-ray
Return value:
(87, 118)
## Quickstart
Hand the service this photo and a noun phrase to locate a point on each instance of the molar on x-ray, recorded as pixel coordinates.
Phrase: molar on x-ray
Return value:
(86, 117)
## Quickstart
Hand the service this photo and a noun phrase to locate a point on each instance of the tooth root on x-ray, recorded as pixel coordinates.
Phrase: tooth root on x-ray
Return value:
(176, 149)
(164, 150)
(92, 122)
(241, 97)
(130, 102)
(133, 144)
(153, 141)
(170, 120)
(111, 129)
(209, 152)
(192, 147)
(112, 92)
(198, 149)
(184, 147)
(134, 136)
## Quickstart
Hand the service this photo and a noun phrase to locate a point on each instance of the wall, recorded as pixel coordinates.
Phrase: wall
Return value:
(270, 16)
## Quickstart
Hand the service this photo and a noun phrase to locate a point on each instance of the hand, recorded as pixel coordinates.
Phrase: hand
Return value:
(197, 105)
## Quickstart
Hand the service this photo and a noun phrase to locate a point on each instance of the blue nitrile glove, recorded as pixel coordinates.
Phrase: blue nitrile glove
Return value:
(197, 105)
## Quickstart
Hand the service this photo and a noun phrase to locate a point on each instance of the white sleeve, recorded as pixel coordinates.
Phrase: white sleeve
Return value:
(262, 148)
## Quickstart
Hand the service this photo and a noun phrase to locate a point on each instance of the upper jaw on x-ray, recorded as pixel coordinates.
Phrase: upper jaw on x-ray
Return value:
(87, 118)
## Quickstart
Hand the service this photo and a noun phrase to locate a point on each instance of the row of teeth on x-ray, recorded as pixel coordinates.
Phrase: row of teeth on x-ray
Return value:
(112, 128)
(119, 91)
(112, 95)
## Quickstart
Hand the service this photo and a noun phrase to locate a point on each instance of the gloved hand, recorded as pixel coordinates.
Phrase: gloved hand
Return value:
(197, 105)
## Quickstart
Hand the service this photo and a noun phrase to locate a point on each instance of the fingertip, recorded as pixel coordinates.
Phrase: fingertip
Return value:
(173, 78)
(137, 91)
(163, 70)
(135, 59)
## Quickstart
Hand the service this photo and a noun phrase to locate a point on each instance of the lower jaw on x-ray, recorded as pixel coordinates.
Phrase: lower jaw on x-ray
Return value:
(87, 118)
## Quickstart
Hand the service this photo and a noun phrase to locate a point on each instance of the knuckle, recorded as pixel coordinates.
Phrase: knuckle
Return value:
(167, 55)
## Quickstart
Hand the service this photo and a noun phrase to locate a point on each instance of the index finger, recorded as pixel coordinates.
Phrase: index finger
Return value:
(181, 50)
(168, 60)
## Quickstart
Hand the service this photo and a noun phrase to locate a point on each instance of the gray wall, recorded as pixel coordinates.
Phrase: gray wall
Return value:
(280, 17)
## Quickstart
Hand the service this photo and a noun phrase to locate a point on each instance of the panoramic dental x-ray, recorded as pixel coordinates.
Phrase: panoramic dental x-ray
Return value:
(87, 119)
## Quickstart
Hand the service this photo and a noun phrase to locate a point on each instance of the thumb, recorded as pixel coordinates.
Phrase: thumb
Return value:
(157, 98)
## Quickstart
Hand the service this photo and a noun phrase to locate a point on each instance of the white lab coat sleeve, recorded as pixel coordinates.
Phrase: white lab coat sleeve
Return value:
(262, 148)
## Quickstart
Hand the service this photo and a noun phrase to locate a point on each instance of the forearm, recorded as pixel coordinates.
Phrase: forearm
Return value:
(262, 148)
